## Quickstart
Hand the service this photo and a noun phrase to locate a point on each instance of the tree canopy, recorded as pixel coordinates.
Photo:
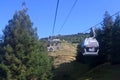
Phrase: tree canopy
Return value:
(23, 57)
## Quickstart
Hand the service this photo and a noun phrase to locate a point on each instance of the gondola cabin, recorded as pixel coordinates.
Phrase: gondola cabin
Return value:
(54, 45)
(91, 46)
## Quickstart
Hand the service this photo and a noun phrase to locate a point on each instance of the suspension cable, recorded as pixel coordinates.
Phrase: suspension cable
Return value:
(101, 22)
(55, 18)
(66, 19)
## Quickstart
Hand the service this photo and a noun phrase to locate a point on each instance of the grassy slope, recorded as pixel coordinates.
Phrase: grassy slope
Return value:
(67, 69)
(103, 72)
(78, 71)
(70, 71)
(64, 62)
(66, 53)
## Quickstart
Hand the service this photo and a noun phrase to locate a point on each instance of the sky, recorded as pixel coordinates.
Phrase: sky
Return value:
(85, 14)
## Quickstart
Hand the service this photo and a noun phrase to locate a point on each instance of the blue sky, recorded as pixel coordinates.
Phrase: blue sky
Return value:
(86, 13)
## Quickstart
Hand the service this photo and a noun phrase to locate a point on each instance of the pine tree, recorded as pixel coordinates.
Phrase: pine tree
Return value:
(24, 56)
(107, 34)
(115, 55)
(80, 51)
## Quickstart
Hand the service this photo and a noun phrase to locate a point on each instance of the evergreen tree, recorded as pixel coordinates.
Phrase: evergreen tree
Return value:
(1, 49)
(107, 35)
(24, 56)
(102, 53)
(115, 55)
(80, 51)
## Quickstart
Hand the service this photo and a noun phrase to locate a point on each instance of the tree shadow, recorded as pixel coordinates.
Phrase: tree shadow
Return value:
(70, 71)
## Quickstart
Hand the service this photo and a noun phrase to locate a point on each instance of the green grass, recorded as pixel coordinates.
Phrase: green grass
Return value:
(67, 70)
(78, 71)
(70, 71)
(103, 72)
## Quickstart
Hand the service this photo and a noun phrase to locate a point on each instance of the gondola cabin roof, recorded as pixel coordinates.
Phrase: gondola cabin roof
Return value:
(91, 42)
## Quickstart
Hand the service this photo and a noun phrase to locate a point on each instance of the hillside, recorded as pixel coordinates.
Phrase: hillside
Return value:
(66, 54)
(64, 62)
(103, 72)
(66, 68)
(73, 38)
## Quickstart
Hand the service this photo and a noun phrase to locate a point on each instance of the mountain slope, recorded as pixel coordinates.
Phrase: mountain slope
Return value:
(103, 72)
(66, 68)
(66, 53)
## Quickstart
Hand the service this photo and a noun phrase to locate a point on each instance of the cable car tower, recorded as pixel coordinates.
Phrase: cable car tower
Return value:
(91, 45)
